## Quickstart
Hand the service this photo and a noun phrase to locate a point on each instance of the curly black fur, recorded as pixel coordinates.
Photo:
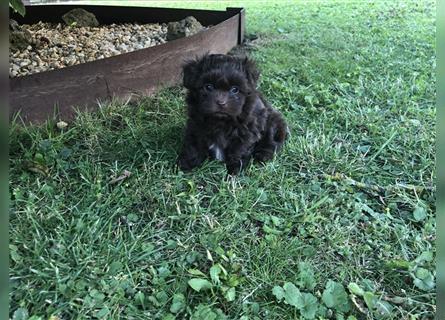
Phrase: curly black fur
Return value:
(228, 119)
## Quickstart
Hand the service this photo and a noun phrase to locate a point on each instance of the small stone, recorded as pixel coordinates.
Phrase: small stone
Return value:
(122, 47)
(183, 28)
(19, 40)
(24, 63)
(80, 18)
(55, 65)
(61, 125)
(13, 25)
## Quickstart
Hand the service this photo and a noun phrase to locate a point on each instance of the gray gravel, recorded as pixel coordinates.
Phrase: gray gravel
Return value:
(56, 45)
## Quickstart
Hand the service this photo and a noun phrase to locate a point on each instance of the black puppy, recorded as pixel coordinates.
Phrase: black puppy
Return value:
(228, 119)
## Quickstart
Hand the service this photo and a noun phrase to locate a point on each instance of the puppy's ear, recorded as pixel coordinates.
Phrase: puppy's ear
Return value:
(190, 74)
(251, 71)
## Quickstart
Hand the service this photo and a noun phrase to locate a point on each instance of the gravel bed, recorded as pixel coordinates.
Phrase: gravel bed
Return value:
(56, 45)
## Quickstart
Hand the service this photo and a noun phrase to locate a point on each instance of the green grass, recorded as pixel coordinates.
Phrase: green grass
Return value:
(355, 81)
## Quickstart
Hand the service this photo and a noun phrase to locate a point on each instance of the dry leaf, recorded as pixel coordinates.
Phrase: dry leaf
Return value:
(125, 174)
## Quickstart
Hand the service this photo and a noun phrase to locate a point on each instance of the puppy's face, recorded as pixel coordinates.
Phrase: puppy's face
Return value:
(221, 94)
(220, 84)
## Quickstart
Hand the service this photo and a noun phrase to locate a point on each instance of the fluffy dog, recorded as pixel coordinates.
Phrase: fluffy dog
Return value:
(228, 119)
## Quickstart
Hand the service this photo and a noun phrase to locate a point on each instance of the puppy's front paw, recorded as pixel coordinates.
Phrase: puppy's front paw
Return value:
(187, 163)
(234, 167)
(263, 155)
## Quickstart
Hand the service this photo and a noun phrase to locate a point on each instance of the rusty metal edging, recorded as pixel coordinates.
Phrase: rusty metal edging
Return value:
(48, 94)
(242, 16)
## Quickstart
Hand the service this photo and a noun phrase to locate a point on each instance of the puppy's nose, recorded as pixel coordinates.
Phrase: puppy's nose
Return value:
(221, 102)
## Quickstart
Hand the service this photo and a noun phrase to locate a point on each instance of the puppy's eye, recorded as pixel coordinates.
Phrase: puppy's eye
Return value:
(234, 90)
(209, 87)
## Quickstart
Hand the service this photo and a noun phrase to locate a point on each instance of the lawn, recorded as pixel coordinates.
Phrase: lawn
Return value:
(340, 225)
